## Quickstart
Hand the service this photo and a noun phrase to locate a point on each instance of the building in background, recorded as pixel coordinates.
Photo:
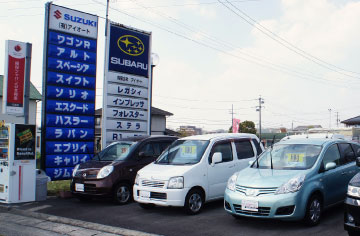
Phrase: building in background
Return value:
(189, 130)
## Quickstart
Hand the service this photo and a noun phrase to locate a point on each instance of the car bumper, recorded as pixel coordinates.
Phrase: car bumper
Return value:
(161, 196)
(352, 210)
(281, 206)
(92, 187)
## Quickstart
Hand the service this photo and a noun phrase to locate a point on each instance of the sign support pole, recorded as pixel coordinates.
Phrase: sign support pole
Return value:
(27, 82)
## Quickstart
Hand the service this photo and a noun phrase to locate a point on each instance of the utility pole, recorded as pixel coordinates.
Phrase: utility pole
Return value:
(329, 118)
(232, 117)
(258, 108)
(337, 119)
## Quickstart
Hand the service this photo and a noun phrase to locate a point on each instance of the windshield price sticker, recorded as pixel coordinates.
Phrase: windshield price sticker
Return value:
(295, 157)
(248, 205)
(124, 150)
(188, 151)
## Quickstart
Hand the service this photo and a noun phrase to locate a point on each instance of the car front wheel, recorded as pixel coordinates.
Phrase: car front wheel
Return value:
(193, 202)
(122, 194)
(313, 211)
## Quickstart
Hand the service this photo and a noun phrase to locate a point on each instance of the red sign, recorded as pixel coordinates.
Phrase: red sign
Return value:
(16, 75)
(14, 79)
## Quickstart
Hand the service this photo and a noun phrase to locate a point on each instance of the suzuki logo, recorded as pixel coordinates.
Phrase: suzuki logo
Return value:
(57, 14)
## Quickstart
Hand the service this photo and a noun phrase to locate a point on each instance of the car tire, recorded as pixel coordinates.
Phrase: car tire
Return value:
(122, 194)
(146, 206)
(313, 211)
(194, 202)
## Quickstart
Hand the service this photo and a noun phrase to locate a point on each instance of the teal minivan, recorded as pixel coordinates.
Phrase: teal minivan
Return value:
(294, 179)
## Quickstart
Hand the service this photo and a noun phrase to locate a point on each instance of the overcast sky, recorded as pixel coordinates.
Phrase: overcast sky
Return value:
(301, 56)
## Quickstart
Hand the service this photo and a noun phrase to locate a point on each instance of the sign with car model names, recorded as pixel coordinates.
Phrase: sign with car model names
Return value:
(127, 102)
(117, 136)
(69, 90)
(127, 84)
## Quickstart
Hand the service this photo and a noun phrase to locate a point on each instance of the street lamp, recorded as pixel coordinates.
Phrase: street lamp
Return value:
(154, 62)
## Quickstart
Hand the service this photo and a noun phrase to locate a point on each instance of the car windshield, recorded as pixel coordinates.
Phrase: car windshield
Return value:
(289, 157)
(183, 152)
(116, 152)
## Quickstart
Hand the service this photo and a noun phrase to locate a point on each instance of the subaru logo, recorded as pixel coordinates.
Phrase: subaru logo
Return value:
(252, 192)
(131, 45)
(57, 14)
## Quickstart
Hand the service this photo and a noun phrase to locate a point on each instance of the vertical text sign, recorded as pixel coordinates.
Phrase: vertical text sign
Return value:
(69, 109)
(14, 80)
(126, 85)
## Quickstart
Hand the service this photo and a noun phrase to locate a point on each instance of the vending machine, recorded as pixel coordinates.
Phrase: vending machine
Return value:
(17, 163)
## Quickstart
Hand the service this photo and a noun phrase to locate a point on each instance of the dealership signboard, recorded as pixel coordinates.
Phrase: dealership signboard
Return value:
(14, 77)
(127, 84)
(69, 90)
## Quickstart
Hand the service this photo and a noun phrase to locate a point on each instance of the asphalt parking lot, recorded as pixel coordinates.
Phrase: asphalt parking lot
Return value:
(172, 221)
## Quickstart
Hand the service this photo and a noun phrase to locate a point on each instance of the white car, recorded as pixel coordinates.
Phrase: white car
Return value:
(194, 170)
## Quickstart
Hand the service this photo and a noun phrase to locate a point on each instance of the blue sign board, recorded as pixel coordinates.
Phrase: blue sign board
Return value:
(129, 51)
(61, 79)
(69, 87)
(62, 160)
(68, 121)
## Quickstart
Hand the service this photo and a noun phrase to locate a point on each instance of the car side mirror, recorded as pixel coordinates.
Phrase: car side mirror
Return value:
(216, 158)
(358, 161)
(330, 166)
(142, 154)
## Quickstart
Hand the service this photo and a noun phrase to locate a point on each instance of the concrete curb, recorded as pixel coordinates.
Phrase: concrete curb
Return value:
(77, 223)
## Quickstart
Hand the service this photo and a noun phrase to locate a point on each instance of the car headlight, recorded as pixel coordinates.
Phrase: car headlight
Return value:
(104, 172)
(353, 191)
(137, 179)
(232, 182)
(75, 170)
(293, 185)
(176, 182)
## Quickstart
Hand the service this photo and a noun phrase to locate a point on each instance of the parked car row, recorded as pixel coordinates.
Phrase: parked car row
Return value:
(295, 179)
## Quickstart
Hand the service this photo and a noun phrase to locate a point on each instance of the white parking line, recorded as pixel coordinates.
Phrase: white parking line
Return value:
(38, 208)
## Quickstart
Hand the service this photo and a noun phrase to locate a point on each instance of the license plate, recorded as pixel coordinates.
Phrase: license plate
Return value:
(79, 187)
(1, 188)
(144, 194)
(248, 205)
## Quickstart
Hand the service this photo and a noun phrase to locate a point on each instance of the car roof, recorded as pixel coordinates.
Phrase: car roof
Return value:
(146, 137)
(313, 141)
(220, 136)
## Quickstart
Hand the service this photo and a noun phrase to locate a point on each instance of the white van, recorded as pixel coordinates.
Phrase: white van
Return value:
(194, 170)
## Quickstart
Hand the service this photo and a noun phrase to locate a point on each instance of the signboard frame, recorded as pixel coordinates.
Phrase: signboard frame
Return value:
(110, 79)
(89, 50)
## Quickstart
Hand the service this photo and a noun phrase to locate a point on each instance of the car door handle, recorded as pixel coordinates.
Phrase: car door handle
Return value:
(231, 166)
(343, 173)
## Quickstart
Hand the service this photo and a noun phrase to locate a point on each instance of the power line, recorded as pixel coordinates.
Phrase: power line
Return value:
(220, 50)
(285, 43)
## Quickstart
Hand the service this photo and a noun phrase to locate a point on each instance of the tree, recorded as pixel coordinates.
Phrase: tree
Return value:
(247, 127)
